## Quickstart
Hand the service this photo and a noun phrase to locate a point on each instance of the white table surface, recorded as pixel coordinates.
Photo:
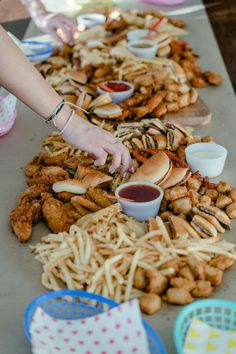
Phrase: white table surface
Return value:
(20, 273)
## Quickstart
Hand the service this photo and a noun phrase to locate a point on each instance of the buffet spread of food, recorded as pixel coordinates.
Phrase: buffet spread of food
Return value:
(174, 257)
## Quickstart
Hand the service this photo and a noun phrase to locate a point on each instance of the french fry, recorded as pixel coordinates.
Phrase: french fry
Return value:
(101, 253)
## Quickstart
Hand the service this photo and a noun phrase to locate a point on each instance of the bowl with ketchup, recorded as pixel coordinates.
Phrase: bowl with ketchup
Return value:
(142, 200)
(117, 89)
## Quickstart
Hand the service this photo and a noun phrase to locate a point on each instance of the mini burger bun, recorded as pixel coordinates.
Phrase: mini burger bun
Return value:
(109, 111)
(178, 176)
(69, 185)
(101, 100)
(156, 169)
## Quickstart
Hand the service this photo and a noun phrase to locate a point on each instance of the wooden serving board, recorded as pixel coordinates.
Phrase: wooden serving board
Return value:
(193, 115)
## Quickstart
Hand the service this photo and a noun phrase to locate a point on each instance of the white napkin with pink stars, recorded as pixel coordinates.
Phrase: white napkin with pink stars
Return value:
(117, 331)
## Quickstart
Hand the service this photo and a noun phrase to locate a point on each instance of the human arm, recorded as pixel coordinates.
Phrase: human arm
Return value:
(21, 78)
(59, 26)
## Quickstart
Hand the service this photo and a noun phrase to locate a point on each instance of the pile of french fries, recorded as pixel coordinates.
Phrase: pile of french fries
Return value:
(102, 252)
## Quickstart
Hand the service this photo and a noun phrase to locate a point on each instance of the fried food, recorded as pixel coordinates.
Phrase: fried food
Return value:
(156, 282)
(85, 202)
(203, 289)
(33, 192)
(90, 178)
(97, 195)
(33, 167)
(48, 175)
(183, 283)
(150, 303)
(64, 196)
(178, 296)
(56, 215)
(22, 218)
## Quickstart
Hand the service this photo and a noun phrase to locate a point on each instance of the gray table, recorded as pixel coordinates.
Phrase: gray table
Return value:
(20, 273)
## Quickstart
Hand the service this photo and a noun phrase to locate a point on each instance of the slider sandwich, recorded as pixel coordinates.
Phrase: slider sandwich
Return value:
(156, 169)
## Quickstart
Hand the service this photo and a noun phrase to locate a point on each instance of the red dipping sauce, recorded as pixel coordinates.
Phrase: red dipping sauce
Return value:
(117, 86)
(139, 193)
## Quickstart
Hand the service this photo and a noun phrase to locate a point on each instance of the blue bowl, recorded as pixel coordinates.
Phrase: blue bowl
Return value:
(217, 313)
(75, 304)
(41, 50)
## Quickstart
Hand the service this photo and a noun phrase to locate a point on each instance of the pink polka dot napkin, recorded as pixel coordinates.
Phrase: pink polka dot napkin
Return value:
(117, 331)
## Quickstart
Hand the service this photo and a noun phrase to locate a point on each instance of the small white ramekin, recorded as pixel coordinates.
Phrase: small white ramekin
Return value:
(144, 210)
(146, 53)
(212, 166)
(118, 97)
(91, 20)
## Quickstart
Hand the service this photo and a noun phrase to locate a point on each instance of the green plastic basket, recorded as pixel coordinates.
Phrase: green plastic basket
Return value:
(217, 313)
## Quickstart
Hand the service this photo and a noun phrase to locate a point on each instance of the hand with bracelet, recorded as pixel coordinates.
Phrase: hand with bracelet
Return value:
(20, 77)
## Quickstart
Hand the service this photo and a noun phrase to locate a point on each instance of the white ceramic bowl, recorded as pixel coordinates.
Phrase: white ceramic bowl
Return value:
(146, 53)
(118, 97)
(144, 210)
(91, 20)
(207, 158)
(135, 35)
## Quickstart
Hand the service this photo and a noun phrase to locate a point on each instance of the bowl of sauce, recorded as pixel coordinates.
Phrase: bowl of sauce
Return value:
(143, 48)
(207, 158)
(145, 199)
(117, 89)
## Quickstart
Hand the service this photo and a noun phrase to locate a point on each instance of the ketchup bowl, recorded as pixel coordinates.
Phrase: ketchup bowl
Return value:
(146, 198)
(117, 89)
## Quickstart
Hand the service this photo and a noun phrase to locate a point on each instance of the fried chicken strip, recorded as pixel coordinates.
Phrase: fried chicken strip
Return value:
(56, 215)
(22, 218)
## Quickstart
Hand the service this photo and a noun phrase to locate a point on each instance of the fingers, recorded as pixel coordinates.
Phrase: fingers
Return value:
(116, 161)
(100, 157)
(66, 34)
(126, 163)
(121, 157)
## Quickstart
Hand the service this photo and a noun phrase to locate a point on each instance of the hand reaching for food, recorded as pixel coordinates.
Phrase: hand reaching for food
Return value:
(98, 143)
(59, 26)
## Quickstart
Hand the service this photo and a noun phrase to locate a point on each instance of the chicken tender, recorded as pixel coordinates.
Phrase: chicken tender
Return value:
(157, 283)
(222, 262)
(64, 196)
(203, 289)
(56, 215)
(97, 195)
(178, 296)
(186, 273)
(179, 282)
(140, 280)
(214, 275)
(33, 167)
(33, 192)
(150, 303)
(84, 202)
(231, 210)
(182, 205)
(197, 266)
(22, 218)
(21, 222)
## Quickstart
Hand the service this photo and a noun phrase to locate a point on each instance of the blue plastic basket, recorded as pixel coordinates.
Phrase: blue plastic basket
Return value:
(217, 313)
(41, 50)
(74, 304)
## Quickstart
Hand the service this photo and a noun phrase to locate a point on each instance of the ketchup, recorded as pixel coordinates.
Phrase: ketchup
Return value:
(117, 86)
(140, 193)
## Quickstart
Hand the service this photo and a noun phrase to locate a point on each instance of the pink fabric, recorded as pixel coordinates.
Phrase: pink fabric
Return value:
(118, 331)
